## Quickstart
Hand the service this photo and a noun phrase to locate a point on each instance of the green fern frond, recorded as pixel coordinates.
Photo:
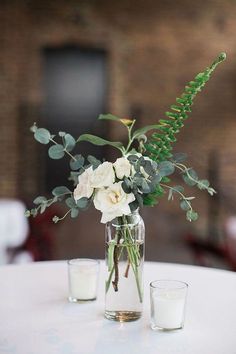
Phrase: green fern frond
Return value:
(159, 146)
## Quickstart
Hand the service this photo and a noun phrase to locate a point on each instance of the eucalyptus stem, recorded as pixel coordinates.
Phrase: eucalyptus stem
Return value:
(177, 191)
(67, 152)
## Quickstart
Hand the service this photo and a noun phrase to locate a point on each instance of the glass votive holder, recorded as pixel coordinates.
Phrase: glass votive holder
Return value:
(83, 279)
(168, 302)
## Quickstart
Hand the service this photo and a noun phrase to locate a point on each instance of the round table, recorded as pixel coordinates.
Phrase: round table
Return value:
(36, 317)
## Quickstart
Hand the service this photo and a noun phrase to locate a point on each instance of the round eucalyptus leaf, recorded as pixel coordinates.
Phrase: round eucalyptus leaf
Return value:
(145, 187)
(77, 163)
(70, 202)
(56, 152)
(40, 200)
(74, 213)
(184, 205)
(178, 189)
(82, 203)
(61, 190)
(190, 178)
(166, 168)
(69, 142)
(94, 161)
(191, 215)
(42, 135)
(179, 157)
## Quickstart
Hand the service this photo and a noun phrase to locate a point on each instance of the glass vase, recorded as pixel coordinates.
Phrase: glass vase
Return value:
(124, 267)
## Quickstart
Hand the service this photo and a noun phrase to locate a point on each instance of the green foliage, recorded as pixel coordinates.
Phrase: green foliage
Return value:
(42, 135)
(109, 116)
(159, 146)
(166, 168)
(77, 162)
(96, 140)
(69, 142)
(59, 191)
(151, 199)
(56, 152)
(149, 180)
(93, 161)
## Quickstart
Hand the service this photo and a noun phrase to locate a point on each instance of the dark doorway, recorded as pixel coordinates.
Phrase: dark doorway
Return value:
(75, 93)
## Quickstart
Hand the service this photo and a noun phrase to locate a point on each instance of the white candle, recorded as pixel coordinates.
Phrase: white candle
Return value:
(168, 305)
(83, 276)
(169, 310)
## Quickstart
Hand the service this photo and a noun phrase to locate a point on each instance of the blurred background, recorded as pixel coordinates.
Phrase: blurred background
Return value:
(64, 62)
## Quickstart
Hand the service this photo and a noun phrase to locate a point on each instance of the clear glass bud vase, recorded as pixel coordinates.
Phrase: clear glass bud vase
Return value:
(124, 267)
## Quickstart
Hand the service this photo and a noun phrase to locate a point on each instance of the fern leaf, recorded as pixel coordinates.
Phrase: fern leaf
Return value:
(158, 147)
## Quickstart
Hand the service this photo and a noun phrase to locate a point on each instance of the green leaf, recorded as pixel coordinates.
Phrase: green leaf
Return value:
(125, 121)
(178, 189)
(191, 215)
(133, 206)
(27, 213)
(145, 187)
(144, 130)
(191, 177)
(42, 135)
(179, 157)
(148, 168)
(108, 116)
(40, 200)
(70, 202)
(93, 161)
(184, 205)
(166, 168)
(82, 203)
(74, 213)
(56, 152)
(159, 146)
(139, 199)
(96, 140)
(77, 163)
(61, 190)
(203, 184)
(69, 142)
(126, 185)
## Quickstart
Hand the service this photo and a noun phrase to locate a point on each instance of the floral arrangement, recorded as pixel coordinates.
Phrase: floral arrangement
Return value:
(141, 176)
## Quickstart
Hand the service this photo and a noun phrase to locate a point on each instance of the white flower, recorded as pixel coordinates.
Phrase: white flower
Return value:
(122, 167)
(84, 188)
(103, 176)
(113, 202)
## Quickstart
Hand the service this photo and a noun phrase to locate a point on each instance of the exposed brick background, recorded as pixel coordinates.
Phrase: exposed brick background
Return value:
(154, 48)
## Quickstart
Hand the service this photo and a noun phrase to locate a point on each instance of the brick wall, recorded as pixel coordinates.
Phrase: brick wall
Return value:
(154, 48)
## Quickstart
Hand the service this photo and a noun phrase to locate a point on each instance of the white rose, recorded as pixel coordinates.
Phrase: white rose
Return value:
(113, 202)
(122, 167)
(84, 188)
(103, 176)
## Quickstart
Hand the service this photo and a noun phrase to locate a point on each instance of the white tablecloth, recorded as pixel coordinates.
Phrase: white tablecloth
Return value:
(36, 318)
